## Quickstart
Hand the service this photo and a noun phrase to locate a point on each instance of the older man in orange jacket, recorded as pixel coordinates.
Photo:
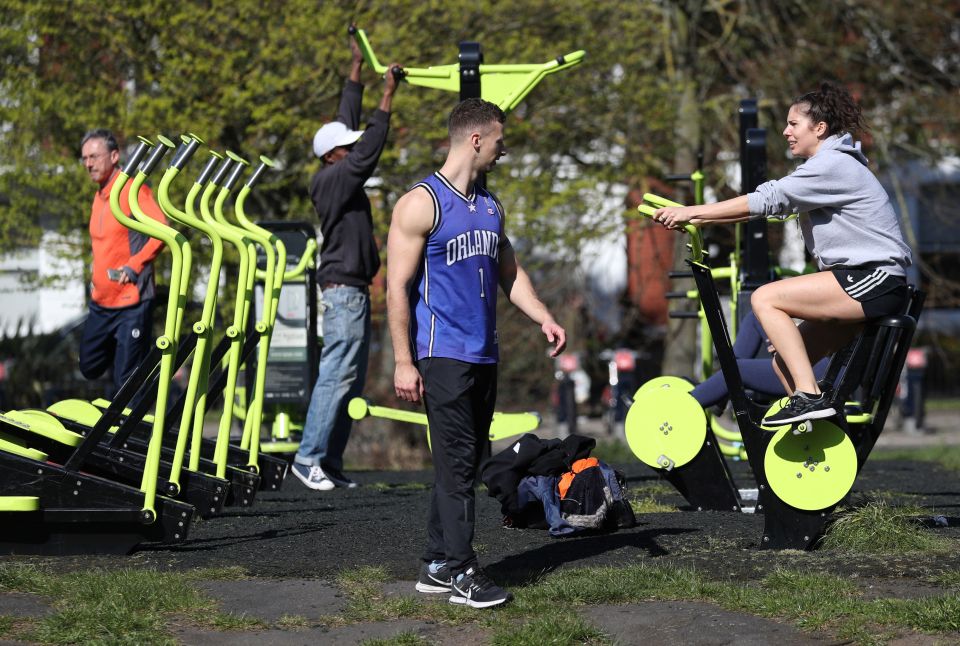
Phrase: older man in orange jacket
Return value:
(118, 328)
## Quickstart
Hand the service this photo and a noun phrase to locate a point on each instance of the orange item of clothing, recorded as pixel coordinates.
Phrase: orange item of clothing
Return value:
(575, 468)
(115, 246)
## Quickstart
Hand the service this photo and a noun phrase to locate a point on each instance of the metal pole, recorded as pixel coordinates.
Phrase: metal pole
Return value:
(754, 246)
(470, 58)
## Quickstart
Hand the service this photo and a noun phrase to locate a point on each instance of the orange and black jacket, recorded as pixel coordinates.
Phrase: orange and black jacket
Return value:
(115, 246)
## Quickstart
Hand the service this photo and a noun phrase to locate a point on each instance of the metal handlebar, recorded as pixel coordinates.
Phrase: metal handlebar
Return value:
(653, 202)
(137, 156)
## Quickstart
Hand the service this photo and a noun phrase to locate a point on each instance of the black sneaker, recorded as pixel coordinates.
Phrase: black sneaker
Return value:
(337, 477)
(474, 589)
(799, 408)
(435, 578)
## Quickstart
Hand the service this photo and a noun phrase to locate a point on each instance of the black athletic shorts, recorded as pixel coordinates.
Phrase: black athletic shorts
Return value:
(879, 292)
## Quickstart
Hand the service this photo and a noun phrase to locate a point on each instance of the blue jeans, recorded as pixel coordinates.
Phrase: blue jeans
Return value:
(343, 372)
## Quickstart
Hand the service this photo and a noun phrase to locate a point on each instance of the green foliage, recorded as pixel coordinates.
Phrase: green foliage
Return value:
(660, 81)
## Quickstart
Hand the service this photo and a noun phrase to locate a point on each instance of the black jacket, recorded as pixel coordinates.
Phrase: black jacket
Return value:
(528, 456)
(348, 253)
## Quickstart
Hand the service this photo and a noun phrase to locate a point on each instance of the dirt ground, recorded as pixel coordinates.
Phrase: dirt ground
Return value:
(295, 541)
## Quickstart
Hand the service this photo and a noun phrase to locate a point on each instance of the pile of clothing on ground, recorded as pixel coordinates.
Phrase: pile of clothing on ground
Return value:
(555, 484)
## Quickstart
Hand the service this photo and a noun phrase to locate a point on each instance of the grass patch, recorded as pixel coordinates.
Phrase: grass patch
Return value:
(649, 505)
(119, 607)
(948, 580)
(364, 587)
(6, 624)
(558, 628)
(292, 622)
(614, 452)
(225, 573)
(877, 528)
(122, 606)
(229, 621)
(946, 456)
(653, 488)
(406, 638)
(809, 601)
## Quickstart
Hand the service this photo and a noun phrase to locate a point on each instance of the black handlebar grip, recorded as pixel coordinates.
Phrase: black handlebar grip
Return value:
(257, 172)
(680, 274)
(155, 156)
(677, 178)
(222, 171)
(234, 176)
(397, 72)
(185, 153)
(135, 158)
(208, 169)
(684, 315)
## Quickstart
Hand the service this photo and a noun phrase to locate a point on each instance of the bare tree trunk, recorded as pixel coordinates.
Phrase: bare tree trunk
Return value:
(680, 352)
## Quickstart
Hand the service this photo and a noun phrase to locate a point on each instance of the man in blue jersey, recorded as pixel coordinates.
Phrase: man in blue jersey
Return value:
(447, 253)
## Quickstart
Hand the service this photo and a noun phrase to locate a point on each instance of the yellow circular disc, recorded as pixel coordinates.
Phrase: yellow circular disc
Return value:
(357, 408)
(665, 427)
(812, 470)
(678, 383)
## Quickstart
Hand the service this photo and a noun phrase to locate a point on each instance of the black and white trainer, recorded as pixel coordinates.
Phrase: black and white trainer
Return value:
(435, 578)
(474, 589)
(801, 407)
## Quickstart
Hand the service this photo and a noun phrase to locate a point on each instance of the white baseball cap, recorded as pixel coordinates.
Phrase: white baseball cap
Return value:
(331, 135)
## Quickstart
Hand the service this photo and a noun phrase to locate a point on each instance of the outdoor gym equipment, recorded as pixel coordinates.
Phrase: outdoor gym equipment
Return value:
(207, 491)
(124, 458)
(205, 384)
(291, 366)
(505, 85)
(74, 511)
(191, 406)
(802, 470)
(502, 426)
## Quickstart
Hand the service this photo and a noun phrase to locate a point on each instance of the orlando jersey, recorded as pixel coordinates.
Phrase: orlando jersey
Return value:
(455, 303)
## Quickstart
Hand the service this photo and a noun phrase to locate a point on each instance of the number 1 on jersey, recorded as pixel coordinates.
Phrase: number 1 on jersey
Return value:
(482, 294)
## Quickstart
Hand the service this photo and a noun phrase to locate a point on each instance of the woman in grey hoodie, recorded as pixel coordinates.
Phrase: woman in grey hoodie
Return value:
(848, 226)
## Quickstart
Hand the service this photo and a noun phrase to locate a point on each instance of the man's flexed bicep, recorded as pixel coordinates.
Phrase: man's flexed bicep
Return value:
(411, 223)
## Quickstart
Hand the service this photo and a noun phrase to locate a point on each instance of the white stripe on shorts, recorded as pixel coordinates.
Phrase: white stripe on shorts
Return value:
(865, 285)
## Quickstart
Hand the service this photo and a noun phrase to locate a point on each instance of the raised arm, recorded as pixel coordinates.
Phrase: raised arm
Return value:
(516, 284)
(411, 222)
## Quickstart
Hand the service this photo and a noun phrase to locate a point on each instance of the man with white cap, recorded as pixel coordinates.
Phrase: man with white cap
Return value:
(349, 259)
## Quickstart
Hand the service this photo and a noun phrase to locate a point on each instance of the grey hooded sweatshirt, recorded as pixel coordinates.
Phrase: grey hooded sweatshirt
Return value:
(846, 217)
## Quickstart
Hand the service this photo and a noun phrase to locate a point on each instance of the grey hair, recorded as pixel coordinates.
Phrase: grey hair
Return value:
(101, 133)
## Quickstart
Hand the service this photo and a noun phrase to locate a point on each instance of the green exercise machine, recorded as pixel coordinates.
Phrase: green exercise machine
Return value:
(804, 470)
(502, 426)
(505, 85)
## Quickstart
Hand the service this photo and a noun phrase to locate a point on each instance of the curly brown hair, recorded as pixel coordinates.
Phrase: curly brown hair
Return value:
(834, 106)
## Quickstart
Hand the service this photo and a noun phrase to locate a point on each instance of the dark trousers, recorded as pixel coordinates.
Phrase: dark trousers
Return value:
(115, 337)
(459, 398)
